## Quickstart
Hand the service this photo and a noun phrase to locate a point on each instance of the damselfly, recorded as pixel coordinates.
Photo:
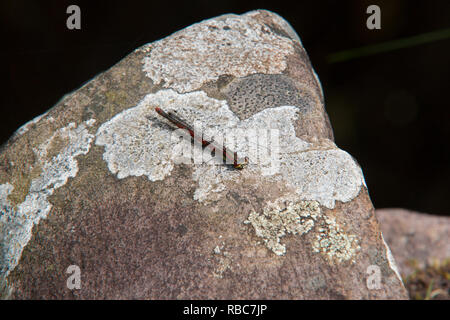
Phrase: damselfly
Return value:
(229, 156)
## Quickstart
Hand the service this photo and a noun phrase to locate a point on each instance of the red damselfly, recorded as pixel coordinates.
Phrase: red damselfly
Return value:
(228, 155)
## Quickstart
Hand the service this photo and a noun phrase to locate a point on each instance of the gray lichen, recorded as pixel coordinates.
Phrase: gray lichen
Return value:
(283, 217)
(286, 216)
(332, 241)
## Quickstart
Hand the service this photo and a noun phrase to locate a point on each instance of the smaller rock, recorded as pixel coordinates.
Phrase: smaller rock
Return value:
(416, 239)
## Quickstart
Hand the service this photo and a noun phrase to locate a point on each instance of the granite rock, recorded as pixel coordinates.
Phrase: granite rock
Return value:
(93, 182)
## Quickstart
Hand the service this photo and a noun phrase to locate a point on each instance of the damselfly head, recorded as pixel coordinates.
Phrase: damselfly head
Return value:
(242, 165)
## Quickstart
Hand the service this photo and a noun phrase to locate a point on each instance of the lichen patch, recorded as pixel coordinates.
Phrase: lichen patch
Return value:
(323, 175)
(139, 142)
(5, 190)
(281, 218)
(224, 261)
(16, 225)
(333, 242)
(233, 45)
(288, 215)
(224, 264)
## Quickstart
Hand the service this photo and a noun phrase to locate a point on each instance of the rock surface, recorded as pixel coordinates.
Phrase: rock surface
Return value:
(93, 182)
(416, 239)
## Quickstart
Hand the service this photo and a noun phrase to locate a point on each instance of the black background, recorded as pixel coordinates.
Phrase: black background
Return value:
(389, 110)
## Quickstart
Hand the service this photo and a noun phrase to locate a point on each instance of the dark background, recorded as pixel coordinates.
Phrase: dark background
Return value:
(389, 110)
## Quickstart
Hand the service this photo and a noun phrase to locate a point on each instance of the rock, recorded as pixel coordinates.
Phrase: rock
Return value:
(93, 185)
(416, 239)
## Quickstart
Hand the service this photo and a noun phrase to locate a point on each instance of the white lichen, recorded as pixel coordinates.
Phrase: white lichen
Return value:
(139, 142)
(16, 225)
(323, 175)
(283, 217)
(5, 190)
(233, 45)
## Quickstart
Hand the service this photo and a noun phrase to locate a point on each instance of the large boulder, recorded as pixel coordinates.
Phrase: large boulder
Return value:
(92, 188)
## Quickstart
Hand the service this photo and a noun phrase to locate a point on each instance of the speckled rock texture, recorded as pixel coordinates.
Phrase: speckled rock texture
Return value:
(416, 239)
(93, 182)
